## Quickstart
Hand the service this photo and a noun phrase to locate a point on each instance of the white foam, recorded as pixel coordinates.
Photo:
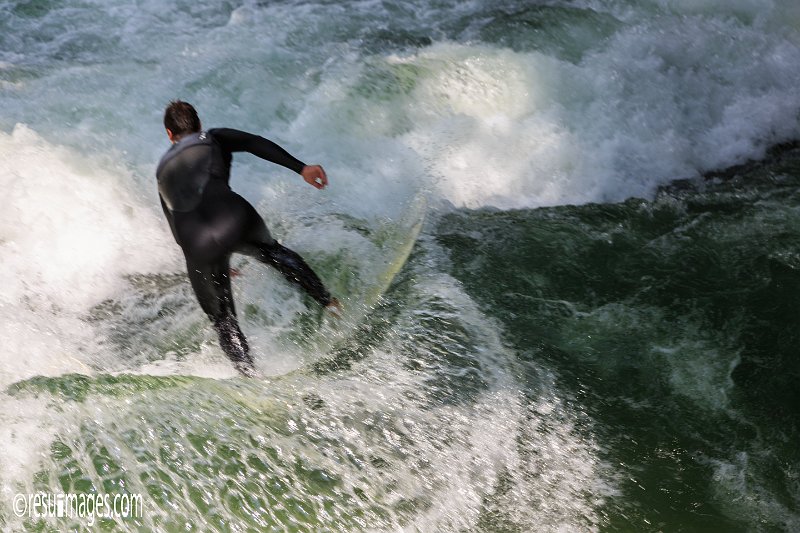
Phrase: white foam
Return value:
(25, 437)
(70, 229)
(63, 234)
(679, 88)
(208, 363)
(542, 451)
(676, 91)
(660, 102)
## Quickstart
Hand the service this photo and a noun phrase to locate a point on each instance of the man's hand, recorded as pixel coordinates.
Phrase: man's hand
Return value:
(315, 175)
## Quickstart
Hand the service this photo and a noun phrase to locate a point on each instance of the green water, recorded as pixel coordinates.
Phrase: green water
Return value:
(674, 324)
(578, 342)
(667, 326)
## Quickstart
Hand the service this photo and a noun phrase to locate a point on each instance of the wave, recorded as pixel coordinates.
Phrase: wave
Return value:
(536, 365)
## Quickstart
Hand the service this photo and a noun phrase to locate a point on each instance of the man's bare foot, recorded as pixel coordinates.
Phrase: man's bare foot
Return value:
(334, 308)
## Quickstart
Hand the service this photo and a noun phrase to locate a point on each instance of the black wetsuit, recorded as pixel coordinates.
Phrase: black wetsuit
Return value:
(210, 222)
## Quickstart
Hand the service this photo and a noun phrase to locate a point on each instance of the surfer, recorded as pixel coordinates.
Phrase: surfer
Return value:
(210, 222)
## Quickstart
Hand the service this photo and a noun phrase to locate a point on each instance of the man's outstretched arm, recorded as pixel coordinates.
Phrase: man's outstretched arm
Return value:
(241, 141)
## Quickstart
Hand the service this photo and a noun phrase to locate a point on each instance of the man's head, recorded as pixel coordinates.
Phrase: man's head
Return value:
(180, 119)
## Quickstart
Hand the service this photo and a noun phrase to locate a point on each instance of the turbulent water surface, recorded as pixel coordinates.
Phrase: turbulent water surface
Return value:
(597, 329)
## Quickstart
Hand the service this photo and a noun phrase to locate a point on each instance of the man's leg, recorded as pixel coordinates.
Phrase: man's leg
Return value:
(212, 286)
(292, 266)
(260, 245)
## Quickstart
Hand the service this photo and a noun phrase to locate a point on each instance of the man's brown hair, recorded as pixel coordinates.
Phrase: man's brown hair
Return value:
(181, 118)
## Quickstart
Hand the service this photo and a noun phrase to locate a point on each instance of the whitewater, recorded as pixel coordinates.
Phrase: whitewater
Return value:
(596, 330)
